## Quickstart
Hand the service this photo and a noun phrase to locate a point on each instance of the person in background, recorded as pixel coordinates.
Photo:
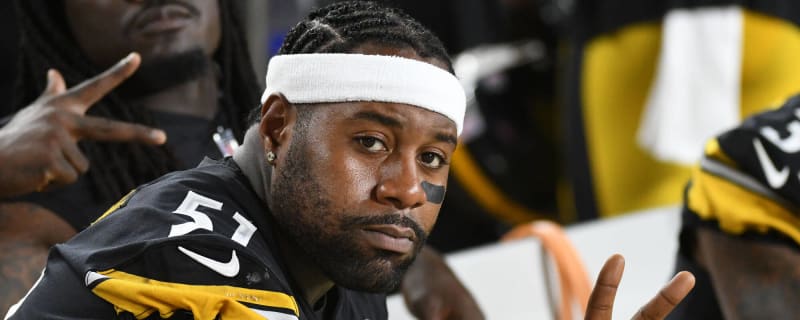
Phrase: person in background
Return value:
(740, 230)
(195, 83)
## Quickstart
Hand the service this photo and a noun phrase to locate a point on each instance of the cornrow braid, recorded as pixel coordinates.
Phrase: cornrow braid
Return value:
(343, 26)
(119, 167)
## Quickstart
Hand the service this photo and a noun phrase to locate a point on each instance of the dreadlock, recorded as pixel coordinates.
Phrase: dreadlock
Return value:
(343, 26)
(119, 167)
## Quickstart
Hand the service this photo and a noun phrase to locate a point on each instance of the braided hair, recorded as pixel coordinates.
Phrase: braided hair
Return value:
(119, 167)
(342, 26)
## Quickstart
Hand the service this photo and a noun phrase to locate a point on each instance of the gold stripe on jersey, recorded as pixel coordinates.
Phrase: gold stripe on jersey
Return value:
(738, 209)
(116, 206)
(142, 297)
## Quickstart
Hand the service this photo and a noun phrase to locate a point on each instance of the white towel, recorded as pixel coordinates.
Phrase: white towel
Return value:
(695, 94)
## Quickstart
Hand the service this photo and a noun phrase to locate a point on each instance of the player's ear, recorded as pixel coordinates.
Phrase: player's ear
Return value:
(277, 117)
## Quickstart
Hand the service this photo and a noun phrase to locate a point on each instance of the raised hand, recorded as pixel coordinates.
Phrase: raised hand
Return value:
(601, 302)
(38, 147)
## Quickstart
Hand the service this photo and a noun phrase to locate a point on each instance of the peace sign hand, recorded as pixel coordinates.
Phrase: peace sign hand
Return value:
(38, 148)
(601, 302)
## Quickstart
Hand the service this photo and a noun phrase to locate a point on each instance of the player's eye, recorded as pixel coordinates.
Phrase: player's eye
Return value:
(432, 160)
(372, 144)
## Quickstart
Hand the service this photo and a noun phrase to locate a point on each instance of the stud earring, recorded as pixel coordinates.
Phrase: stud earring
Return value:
(271, 157)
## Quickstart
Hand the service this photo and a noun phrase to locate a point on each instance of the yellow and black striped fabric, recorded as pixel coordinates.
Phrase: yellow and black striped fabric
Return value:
(749, 178)
(195, 244)
(746, 185)
(617, 44)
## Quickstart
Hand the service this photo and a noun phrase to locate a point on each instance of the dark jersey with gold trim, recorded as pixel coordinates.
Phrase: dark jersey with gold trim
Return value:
(747, 185)
(192, 244)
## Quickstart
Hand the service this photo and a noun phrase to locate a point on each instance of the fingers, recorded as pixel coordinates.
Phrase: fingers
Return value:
(60, 172)
(47, 177)
(669, 297)
(74, 155)
(55, 83)
(66, 164)
(92, 90)
(601, 302)
(89, 92)
(102, 129)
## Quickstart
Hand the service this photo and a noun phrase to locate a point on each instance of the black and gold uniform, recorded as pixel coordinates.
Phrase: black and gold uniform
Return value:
(746, 185)
(616, 52)
(192, 244)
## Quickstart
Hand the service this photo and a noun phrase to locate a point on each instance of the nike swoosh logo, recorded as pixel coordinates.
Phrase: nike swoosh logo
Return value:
(229, 269)
(775, 178)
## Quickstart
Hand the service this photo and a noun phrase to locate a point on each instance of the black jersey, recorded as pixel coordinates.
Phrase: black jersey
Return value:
(192, 244)
(747, 185)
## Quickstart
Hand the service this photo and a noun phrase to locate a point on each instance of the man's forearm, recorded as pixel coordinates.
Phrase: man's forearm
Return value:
(20, 266)
(27, 231)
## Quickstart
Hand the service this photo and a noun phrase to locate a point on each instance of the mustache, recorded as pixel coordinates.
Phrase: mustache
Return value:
(354, 222)
(154, 3)
(138, 17)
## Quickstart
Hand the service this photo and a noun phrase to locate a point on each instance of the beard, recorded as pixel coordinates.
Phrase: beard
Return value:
(161, 73)
(329, 237)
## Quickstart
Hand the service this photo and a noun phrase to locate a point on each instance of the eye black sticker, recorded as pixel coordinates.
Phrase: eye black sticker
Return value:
(434, 193)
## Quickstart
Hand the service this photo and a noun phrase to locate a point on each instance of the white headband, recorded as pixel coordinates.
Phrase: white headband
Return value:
(344, 77)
